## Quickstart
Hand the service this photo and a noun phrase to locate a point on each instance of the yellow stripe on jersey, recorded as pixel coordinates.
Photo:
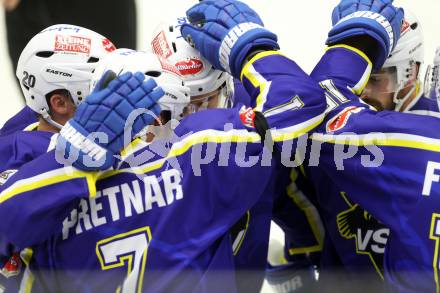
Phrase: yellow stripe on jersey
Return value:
(433, 235)
(179, 148)
(49, 178)
(256, 79)
(360, 86)
(311, 214)
(32, 127)
(28, 278)
(381, 139)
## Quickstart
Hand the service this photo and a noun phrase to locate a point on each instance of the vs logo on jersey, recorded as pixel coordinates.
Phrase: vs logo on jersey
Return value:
(370, 235)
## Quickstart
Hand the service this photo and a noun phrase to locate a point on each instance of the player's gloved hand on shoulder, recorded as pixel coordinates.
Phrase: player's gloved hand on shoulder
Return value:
(225, 32)
(378, 19)
(108, 120)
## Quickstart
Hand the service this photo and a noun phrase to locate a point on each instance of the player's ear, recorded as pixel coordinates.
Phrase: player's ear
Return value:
(59, 104)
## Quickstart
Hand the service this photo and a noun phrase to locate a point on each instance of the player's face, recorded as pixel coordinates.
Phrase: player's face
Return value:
(203, 102)
(380, 90)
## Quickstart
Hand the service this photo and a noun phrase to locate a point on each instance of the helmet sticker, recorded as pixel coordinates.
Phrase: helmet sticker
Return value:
(108, 45)
(74, 44)
(189, 66)
(160, 46)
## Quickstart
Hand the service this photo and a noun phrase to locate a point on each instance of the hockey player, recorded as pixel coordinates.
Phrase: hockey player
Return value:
(410, 252)
(197, 255)
(54, 71)
(401, 199)
(355, 243)
(75, 50)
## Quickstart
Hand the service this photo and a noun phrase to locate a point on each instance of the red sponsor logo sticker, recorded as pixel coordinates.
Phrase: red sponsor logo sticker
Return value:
(12, 267)
(74, 44)
(160, 46)
(190, 66)
(339, 121)
(108, 45)
(405, 27)
(247, 116)
(168, 66)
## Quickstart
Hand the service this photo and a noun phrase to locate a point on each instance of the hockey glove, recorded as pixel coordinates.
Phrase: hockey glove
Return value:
(225, 32)
(108, 120)
(377, 18)
(292, 277)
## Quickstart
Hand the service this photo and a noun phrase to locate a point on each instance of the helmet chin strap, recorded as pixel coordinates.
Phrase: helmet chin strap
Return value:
(45, 114)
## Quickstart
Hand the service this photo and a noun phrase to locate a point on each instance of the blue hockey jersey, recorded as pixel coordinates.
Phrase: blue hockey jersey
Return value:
(285, 204)
(25, 119)
(162, 226)
(387, 162)
(16, 149)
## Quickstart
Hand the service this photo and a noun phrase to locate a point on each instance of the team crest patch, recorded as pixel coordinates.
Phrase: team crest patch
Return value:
(339, 121)
(12, 267)
(73, 44)
(247, 117)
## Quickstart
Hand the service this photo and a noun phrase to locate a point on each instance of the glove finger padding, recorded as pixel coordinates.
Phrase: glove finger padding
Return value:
(378, 19)
(225, 32)
(98, 128)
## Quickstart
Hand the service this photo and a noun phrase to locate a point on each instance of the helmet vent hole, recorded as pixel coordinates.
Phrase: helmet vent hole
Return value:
(45, 54)
(153, 73)
(414, 26)
(79, 93)
(32, 97)
(200, 89)
(220, 76)
(171, 28)
(93, 60)
(174, 47)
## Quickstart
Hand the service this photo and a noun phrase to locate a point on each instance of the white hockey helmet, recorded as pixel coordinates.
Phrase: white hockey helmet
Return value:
(199, 75)
(61, 57)
(166, 75)
(408, 52)
(432, 77)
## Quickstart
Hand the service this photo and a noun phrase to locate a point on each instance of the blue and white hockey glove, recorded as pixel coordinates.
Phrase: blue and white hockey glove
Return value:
(293, 277)
(225, 32)
(377, 18)
(108, 120)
